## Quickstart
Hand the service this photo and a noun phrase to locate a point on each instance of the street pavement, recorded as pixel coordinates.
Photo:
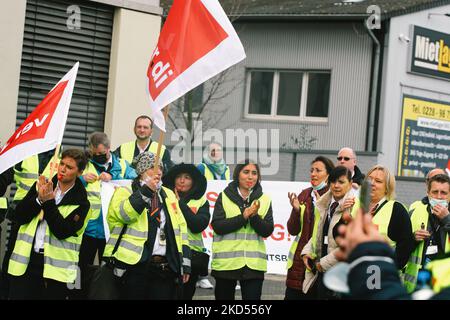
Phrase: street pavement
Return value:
(273, 289)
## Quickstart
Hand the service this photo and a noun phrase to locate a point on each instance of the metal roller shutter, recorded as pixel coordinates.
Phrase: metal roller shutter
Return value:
(50, 49)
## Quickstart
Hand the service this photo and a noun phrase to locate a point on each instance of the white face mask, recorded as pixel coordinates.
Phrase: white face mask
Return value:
(434, 202)
(322, 185)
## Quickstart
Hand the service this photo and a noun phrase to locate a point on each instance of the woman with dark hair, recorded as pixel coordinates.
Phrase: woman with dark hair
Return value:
(52, 219)
(319, 253)
(300, 224)
(189, 186)
(242, 218)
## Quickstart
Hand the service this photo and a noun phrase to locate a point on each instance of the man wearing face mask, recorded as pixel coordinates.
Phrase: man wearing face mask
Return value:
(430, 220)
(102, 166)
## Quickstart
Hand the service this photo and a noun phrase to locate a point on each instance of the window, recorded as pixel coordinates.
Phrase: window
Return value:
(289, 95)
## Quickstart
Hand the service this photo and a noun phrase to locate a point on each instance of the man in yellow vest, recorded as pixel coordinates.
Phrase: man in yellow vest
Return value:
(430, 221)
(371, 272)
(52, 218)
(143, 127)
(103, 166)
(154, 249)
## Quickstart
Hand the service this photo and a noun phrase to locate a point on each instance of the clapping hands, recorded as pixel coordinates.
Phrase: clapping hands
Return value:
(252, 210)
(45, 189)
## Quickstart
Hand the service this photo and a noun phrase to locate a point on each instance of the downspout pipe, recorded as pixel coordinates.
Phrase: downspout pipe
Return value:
(374, 90)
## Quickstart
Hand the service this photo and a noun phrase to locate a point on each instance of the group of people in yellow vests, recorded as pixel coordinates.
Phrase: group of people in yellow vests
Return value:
(155, 245)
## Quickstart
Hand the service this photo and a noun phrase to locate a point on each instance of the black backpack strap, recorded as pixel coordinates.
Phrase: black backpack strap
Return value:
(119, 239)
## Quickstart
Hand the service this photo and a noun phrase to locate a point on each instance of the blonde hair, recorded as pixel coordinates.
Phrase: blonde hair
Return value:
(389, 180)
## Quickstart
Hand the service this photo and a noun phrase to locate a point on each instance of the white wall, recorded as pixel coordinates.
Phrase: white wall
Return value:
(135, 35)
(12, 22)
(397, 82)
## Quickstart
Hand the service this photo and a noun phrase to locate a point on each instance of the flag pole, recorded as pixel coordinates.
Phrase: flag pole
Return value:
(160, 142)
(54, 161)
(53, 166)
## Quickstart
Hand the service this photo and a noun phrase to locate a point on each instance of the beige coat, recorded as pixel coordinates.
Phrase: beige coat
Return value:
(329, 259)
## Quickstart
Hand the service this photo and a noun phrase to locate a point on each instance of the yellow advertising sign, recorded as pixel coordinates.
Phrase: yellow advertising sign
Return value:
(424, 136)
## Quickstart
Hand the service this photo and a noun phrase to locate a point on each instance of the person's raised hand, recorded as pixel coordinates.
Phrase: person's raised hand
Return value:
(421, 235)
(293, 199)
(152, 181)
(90, 177)
(45, 189)
(105, 176)
(255, 207)
(348, 203)
(361, 229)
(440, 211)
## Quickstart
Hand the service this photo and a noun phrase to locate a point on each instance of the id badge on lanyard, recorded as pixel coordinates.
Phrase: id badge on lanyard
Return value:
(162, 237)
(431, 250)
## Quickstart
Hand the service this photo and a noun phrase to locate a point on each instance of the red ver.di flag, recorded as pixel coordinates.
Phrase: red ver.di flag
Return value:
(196, 43)
(43, 129)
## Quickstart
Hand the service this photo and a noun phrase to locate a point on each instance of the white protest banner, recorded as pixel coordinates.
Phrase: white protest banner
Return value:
(107, 191)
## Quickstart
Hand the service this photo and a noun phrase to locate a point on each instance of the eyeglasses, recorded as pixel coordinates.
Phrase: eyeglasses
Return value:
(345, 158)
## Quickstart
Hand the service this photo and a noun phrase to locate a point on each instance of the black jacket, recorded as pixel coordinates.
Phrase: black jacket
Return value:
(358, 176)
(374, 256)
(400, 231)
(61, 228)
(6, 178)
(222, 225)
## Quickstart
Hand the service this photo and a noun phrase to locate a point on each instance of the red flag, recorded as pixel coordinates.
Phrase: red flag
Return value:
(196, 43)
(43, 129)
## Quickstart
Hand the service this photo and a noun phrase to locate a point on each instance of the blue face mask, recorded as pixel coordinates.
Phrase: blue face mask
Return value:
(434, 202)
(322, 185)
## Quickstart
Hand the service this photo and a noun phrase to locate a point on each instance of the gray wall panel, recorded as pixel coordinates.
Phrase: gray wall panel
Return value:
(343, 48)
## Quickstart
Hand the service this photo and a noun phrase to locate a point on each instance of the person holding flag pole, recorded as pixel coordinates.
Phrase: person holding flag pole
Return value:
(176, 67)
(42, 131)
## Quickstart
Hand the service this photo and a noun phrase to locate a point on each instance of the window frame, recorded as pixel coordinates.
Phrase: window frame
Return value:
(275, 90)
